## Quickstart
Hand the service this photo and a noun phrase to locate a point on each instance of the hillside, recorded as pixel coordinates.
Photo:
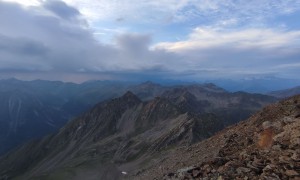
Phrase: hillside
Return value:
(266, 146)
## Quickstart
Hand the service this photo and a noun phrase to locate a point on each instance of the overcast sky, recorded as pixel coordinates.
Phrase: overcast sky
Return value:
(78, 40)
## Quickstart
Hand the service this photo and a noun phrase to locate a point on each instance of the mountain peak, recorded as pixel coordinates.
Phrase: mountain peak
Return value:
(130, 96)
(148, 82)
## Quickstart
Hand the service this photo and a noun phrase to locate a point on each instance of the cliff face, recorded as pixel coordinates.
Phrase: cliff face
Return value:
(266, 146)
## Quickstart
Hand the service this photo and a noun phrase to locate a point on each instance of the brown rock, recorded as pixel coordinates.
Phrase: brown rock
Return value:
(242, 170)
(196, 173)
(284, 159)
(295, 157)
(266, 138)
(269, 167)
(249, 165)
(291, 173)
(221, 169)
(220, 178)
(207, 168)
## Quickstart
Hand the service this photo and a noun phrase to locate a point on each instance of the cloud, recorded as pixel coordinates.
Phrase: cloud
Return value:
(238, 52)
(135, 10)
(205, 11)
(42, 38)
(61, 9)
(52, 39)
(36, 41)
(23, 46)
(25, 2)
(204, 38)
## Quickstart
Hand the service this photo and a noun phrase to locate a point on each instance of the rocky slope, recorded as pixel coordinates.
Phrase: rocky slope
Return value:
(119, 135)
(266, 146)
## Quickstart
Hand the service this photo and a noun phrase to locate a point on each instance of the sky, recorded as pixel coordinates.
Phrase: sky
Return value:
(80, 40)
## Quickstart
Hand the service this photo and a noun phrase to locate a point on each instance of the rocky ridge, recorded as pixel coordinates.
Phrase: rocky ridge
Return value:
(114, 136)
(33, 109)
(266, 146)
(285, 93)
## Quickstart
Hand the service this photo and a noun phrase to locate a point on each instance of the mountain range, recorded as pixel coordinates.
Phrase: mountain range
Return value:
(286, 92)
(126, 134)
(33, 109)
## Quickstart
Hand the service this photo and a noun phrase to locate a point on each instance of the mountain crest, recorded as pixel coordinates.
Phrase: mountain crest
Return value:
(130, 97)
(129, 94)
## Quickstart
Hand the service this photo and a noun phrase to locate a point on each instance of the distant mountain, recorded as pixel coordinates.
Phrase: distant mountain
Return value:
(25, 115)
(255, 85)
(111, 134)
(286, 92)
(126, 134)
(266, 146)
(207, 98)
(32, 109)
(27, 112)
(148, 90)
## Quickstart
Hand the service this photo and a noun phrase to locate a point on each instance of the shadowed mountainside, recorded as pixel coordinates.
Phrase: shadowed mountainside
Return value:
(33, 109)
(124, 132)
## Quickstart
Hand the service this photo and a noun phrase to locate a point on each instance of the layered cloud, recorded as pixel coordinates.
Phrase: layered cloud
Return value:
(238, 52)
(58, 39)
(205, 38)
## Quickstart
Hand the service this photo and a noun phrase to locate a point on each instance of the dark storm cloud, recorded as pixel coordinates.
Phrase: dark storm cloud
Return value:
(134, 42)
(133, 51)
(22, 46)
(46, 41)
(61, 9)
(33, 40)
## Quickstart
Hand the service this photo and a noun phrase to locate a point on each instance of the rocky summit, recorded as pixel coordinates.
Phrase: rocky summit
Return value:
(266, 146)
